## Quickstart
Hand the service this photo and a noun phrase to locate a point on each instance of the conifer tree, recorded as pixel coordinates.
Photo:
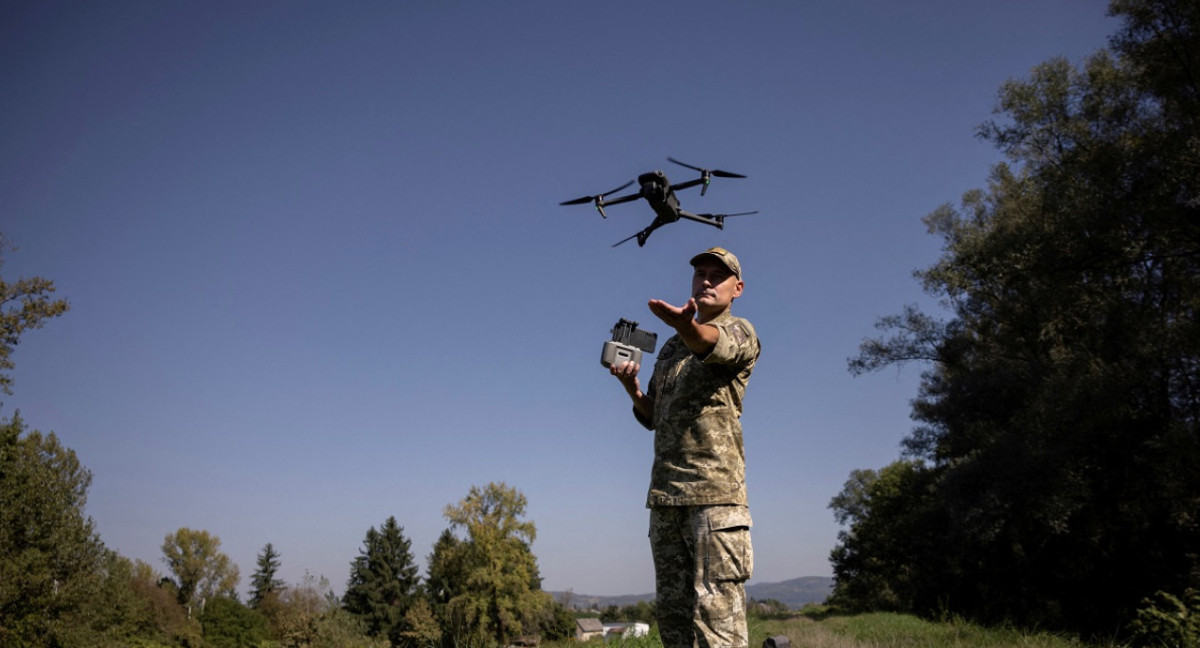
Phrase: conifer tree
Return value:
(263, 584)
(383, 581)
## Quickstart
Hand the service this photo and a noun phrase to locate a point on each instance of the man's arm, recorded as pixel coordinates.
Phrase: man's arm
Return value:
(627, 372)
(700, 338)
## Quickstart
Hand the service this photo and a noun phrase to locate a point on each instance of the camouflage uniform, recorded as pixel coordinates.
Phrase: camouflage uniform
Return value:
(699, 515)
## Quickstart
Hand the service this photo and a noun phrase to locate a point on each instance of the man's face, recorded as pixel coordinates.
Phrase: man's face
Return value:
(714, 288)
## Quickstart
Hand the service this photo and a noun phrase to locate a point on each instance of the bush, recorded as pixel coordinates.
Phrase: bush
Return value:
(227, 623)
(1164, 620)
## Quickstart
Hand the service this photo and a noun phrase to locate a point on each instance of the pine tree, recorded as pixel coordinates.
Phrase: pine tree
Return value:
(263, 584)
(383, 581)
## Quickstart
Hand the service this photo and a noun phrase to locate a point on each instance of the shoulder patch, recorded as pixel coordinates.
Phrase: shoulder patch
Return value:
(739, 333)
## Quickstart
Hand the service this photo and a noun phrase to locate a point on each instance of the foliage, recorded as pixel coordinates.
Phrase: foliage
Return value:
(641, 611)
(421, 627)
(53, 566)
(559, 623)
(227, 623)
(446, 575)
(310, 616)
(158, 617)
(891, 524)
(1164, 620)
(500, 596)
(263, 584)
(383, 581)
(24, 305)
(201, 570)
(1060, 419)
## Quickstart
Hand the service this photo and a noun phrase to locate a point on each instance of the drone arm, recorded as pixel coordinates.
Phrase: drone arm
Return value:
(707, 219)
(623, 199)
(688, 184)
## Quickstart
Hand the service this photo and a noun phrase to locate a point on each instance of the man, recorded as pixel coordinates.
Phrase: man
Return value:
(699, 515)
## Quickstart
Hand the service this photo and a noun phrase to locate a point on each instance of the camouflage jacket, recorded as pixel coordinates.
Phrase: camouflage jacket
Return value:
(698, 454)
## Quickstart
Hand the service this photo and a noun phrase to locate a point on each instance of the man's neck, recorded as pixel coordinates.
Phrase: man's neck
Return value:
(704, 318)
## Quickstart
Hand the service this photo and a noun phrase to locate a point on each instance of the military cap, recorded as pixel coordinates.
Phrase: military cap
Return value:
(722, 256)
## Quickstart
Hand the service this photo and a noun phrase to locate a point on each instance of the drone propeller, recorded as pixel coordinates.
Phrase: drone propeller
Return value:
(640, 236)
(706, 174)
(597, 199)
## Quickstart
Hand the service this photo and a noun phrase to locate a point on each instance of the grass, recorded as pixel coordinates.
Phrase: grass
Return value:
(878, 630)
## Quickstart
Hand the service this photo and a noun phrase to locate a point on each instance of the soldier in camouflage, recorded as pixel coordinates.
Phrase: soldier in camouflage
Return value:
(699, 515)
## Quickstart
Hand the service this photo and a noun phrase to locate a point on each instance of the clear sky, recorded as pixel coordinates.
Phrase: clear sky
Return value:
(319, 275)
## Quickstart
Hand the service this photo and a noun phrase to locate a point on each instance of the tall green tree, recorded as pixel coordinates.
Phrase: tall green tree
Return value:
(383, 581)
(25, 304)
(53, 566)
(445, 575)
(1060, 416)
(263, 584)
(500, 597)
(202, 571)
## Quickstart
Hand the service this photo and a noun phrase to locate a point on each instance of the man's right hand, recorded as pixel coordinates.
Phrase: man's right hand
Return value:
(627, 373)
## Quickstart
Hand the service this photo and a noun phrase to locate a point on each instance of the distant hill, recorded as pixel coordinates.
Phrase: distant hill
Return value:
(794, 593)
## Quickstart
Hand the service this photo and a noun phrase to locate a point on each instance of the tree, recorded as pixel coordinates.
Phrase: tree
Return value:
(446, 574)
(383, 581)
(1059, 421)
(158, 617)
(263, 583)
(310, 616)
(229, 624)
(893, 540)
(52, 562)
(24, 305)
(201, 570)
(421, 626)
(500, 597)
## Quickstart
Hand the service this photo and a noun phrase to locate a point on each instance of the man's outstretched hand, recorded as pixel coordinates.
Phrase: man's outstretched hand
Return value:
(700, 338)
(677, 317)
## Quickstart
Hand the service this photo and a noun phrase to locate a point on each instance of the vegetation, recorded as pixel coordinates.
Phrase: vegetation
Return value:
(264, 587)
(383, 581)
(499, 597)
(54, 565)
(1052, 480)
(201, 570)
(816, 627)
(24, 305)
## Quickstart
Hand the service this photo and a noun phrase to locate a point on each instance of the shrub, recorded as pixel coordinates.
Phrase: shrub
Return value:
(1164, 620)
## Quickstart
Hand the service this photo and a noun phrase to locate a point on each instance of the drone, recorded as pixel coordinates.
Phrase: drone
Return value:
(660, 193)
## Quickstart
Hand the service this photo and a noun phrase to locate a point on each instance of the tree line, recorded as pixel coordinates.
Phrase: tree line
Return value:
(60, 585)
(1053, 479)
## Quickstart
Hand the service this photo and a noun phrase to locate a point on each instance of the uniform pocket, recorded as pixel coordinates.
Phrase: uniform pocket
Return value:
(728, 555)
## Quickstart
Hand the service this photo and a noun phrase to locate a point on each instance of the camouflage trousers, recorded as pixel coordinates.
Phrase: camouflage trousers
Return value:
(702, 559)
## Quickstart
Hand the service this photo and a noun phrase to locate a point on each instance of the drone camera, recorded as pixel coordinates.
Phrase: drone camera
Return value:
(627, 344)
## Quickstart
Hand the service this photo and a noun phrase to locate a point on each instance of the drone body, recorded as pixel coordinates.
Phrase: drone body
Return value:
(660, 193)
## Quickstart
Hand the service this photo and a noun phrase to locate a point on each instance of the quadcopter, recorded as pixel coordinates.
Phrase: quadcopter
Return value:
(660, 193)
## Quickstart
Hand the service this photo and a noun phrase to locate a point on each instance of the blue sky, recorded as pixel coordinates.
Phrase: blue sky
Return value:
(319, 275)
